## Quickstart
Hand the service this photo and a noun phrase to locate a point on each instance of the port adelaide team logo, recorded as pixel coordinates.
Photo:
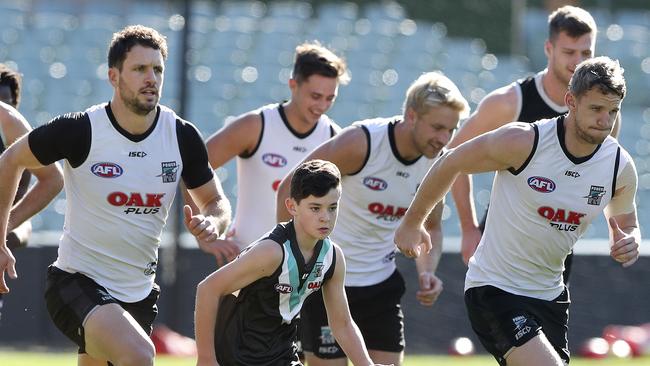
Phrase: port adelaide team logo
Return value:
(595, 195)
(169, 171)
(541, 184)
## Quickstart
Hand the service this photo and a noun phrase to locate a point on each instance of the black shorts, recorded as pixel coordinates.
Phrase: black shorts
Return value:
(70, 297)
(375, 309)
(503, 320)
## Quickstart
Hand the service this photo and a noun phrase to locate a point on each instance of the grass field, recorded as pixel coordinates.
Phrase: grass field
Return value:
(15, 358)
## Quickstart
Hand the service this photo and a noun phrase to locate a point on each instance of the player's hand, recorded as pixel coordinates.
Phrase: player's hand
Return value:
(412, 240)
(7, 264)
(202, 228)
(224, 250)
(430, 288)
(625, 249)
(468, 243)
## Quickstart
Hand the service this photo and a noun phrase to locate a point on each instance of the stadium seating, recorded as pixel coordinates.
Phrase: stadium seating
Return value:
(240, 55)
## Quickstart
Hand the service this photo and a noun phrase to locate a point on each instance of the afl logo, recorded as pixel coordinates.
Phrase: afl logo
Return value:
(274, 160)
(283, 288)
(107, 170)
(375, 184)
(541, 184)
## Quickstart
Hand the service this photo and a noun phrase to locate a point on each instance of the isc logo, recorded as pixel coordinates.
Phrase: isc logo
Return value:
(541, 184)
(283, 288)
(274, 160)
(375, 184)
(106, 170)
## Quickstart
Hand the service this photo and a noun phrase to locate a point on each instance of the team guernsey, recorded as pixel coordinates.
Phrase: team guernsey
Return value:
(373, 201)
(533, 103)
(256, 327)
(539, 211)
(259, 173)
(119, 189)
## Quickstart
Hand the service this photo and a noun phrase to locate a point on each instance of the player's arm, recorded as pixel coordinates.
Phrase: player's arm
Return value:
(519, 137)
(494, 111)
(344, 329)
(621, 214)
(240, 137)
(430, 285)
(258, 262)
(49, 179)
(12, 162)
(348, 151)
(205, 190)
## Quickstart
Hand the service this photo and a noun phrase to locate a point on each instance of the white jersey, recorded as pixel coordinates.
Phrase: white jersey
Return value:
(372, 203)
(119, 189)
(538, 213)
(279, 149)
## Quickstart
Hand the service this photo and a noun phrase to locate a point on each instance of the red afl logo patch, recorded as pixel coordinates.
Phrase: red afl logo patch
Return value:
(541, 184)
(375, 184)
(106, 170)
(274, 160)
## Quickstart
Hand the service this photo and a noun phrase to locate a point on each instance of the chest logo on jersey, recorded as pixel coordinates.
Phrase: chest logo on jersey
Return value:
(541, 184)
(169, 170)
(560, 219)
(274, 160)
(571, 173)
(595, 195)
(376, 184)
(283, 288)
(137, 203)
(301, 149)
(106, 170)
(386, 212)
(137, 154)
(403, 174)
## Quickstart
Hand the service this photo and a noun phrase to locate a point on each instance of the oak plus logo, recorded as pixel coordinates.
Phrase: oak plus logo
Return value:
(386, 212)
(136, 203)
(376, 184)
(561, 219)
(107, 170)
(274, 160)
(541, 184)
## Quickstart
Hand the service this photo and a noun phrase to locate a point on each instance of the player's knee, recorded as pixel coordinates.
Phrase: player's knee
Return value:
(143, 355)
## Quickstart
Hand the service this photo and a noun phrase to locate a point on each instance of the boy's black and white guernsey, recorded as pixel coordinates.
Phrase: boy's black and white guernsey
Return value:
(255, 327)
(119, 189)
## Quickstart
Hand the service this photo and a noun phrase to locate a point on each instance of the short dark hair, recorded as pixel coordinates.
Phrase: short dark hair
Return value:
(130, 36)
(601, 72)
(11, 78)
(314, 178)
(314, 58)
(572, 20)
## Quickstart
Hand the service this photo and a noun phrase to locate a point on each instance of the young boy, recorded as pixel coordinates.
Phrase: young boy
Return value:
(245, 310)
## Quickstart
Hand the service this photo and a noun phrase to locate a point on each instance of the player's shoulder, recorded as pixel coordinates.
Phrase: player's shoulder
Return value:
(504, 96)
(250, 119)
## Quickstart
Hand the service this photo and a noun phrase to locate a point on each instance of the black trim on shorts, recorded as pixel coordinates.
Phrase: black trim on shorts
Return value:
(502, 320)
(70, 297)
(375, 309)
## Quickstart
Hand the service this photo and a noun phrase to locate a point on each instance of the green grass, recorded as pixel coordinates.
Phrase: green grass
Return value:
(16, 358)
